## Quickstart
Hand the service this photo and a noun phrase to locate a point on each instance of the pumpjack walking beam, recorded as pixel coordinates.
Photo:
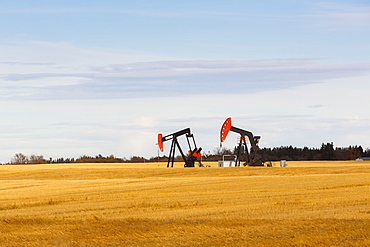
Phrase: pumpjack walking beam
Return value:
(193, 153)
(253, 158)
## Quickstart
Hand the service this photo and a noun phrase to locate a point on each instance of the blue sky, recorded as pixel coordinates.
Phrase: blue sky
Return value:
(105, 77)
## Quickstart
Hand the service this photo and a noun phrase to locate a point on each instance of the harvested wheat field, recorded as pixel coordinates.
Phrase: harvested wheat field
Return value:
(304, 204)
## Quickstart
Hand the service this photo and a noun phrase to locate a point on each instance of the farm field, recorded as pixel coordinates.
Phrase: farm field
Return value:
(147, 204)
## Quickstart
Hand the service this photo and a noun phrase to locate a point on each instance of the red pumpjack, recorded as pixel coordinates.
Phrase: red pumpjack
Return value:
(193, 153)
(252, 157)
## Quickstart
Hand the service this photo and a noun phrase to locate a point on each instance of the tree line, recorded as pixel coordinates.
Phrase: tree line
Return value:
(327, 151)
(20, 158)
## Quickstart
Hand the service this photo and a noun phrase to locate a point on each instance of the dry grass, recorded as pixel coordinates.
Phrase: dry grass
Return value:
(147, 204)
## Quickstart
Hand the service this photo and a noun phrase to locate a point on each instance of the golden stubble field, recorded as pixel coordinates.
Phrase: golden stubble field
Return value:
(304, 204)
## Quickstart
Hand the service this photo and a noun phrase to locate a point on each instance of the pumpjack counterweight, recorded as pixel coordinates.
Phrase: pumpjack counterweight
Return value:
(193, 153)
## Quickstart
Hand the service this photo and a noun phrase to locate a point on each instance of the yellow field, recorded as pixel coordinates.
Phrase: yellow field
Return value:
(147, 204)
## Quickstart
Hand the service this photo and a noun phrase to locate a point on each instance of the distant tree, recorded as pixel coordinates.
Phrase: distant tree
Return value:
(354, 152)
(85, 159)
(36, 159)
(19, 158)
(361, 150)
(327, 151)
(112, 159)
(158, 158)
(137, 159)
(97, 159)
(99, 156)
(341, 153)
(222, 151)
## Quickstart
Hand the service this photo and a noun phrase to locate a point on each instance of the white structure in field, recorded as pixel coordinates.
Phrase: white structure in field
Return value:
(229, 162)
(283, 163)
(363, 158)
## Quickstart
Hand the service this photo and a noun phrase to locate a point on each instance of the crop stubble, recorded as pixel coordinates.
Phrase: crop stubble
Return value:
(304, 204)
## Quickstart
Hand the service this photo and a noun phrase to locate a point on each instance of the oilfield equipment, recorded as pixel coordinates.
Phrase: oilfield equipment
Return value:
(227, 161)
(251, 156)
(193, 153)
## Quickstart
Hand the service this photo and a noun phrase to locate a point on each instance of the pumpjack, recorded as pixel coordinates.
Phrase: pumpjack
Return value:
(193, 153)
(252, 158)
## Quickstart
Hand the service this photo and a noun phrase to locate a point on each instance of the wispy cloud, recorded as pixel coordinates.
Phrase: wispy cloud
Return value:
(341, 15)
(119, 11)
(163, 78)
(330, 16)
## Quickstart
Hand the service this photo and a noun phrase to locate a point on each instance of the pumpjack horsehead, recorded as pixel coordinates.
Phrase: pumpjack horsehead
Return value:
(252, 158)
(193, 153)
